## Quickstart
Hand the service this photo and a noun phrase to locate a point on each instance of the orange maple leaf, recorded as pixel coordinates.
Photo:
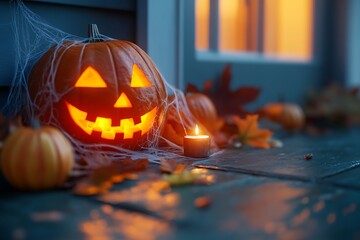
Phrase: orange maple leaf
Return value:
(250, 134)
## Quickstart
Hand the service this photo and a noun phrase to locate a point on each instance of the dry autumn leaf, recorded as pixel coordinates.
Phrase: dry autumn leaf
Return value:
(250, 134)
(171, 166)
(226, 100)
(181, 179)
(103, 178)
(202, 202)
(189, 177)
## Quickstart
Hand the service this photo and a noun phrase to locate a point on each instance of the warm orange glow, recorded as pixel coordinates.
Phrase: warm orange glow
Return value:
(289, 28)
(138, 78)
(232, 25)
(90, 78)
(123, 102)
(202, 12)
(196, 130)
(109, 131)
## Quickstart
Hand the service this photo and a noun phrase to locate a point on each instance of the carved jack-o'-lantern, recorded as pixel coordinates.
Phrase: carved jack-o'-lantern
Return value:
(102, 91)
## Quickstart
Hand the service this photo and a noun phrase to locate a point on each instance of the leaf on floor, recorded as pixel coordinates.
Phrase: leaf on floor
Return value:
(181, 179)
(187, 177)
(250, 134)
(171, 166)
(103, 178)
(202, 202)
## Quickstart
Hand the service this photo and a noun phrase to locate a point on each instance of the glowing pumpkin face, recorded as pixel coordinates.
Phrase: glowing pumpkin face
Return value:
(107, 126)
(104, 92)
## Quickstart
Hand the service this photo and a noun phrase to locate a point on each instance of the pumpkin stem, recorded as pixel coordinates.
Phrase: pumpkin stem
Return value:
(94, 34)
(35, 123)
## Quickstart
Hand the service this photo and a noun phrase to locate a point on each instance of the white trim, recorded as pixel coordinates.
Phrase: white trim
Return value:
(251, 57)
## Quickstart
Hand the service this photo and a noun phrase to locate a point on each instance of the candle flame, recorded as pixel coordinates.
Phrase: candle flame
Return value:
(196, 130)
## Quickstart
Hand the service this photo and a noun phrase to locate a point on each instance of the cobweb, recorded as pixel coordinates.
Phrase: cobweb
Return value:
(33, 38)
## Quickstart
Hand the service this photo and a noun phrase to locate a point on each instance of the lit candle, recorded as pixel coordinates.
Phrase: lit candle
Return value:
(197, 145)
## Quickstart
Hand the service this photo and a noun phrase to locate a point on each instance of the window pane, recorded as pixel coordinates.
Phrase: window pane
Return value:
(232, 25)
(202, 11)
(288, 28)
(282, 28)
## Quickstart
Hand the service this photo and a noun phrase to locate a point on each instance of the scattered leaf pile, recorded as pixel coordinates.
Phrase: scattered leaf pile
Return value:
(333, 106)
(238, 126)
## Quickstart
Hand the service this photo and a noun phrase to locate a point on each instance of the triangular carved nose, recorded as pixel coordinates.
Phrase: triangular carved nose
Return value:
(123, 102)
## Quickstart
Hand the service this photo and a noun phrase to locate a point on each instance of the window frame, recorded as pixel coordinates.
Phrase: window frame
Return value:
(200, 66)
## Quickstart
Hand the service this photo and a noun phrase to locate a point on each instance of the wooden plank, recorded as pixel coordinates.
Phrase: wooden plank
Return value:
(332, 154)
(350, 179)
(242, 207)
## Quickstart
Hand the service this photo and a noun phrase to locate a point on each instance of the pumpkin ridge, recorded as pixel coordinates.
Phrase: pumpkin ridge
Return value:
(57, 60)
(19, 164)
(69, 162)
(64, 157)
(31, 170)
(81, 57)
(113, 64)
(41, 181)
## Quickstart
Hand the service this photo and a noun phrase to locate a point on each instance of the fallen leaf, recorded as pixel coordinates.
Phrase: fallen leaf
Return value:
(171, 166)
(187, 177)
(202, 202)
(227, 101)
(180, 179)
(103, 178)
(250, 134)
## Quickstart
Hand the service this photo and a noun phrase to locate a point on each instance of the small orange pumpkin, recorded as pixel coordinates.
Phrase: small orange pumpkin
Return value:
(289, 115)
(36, 159)
(203, 110)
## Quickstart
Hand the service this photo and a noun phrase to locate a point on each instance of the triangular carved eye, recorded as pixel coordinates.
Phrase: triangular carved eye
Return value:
(123, 101)
(138, 78)
(90, 78)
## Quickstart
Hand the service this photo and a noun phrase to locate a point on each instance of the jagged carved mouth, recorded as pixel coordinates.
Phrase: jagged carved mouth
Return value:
(107, 128)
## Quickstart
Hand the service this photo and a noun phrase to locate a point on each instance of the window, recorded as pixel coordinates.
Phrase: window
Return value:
(276, 45)
(277, 28)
